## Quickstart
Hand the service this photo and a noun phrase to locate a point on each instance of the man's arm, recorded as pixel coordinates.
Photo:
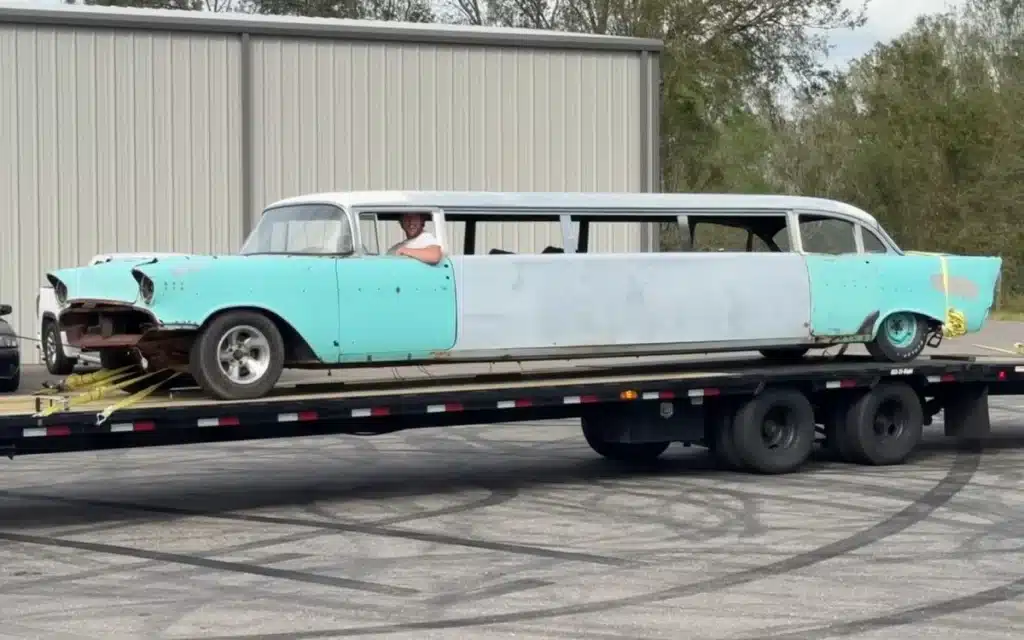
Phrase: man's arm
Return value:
(430, 255)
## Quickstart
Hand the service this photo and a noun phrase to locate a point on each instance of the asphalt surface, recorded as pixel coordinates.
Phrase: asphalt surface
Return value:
(511, 531)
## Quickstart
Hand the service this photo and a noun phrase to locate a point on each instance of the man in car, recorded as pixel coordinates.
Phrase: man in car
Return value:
(418, 243)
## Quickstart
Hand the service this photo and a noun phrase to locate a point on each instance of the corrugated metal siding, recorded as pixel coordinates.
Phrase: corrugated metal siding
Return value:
(342, 115)
(113, 140)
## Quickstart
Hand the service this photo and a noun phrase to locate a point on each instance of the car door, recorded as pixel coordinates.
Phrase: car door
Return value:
(393, 307)
(843, 280)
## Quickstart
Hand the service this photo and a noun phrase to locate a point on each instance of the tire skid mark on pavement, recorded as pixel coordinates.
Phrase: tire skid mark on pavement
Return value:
(366, 529)
(959, 474)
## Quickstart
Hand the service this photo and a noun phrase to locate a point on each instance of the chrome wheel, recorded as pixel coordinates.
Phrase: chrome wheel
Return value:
(244, 354)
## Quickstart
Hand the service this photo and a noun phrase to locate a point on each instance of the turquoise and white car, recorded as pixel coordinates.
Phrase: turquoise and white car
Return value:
(311, 287)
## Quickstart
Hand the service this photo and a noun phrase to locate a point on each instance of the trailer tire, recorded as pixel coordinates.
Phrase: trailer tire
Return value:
(723, 442)
(884, 426)
(837, 444)
(205, 365)
(774, 431)
(632, 452)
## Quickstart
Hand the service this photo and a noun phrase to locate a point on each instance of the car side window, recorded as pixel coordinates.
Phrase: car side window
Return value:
(871, 242)
(833, 236)
(368, 233)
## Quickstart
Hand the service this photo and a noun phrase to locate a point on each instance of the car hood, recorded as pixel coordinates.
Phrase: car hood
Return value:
(113, 281)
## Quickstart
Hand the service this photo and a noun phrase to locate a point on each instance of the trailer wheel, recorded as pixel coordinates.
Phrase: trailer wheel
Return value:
(774, 432)
(901, 338)
(723, 444)
(885, 425)
(636, 452)
(837, 444)
(238, 356)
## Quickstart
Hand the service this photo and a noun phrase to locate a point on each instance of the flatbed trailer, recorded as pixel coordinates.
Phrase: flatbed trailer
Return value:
(753, 414)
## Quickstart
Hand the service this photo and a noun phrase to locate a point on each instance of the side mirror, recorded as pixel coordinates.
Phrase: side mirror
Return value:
(6, 309)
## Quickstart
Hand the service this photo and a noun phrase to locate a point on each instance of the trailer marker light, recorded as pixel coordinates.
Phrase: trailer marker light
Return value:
(42, 432)
(702, 393)
(514, 404)
(301, 416)
(218, 422)
(123, 427)
(444, 408)
(840, 384)
(658, 395)
(629, 394)
(366, 413)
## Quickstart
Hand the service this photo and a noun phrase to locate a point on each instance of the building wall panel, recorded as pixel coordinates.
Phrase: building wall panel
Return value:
(334, 115)
(113, 140)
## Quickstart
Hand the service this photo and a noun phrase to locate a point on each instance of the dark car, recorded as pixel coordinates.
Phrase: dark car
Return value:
(10, 354)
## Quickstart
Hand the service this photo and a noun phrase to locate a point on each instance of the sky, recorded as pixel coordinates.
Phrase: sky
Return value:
(886, 19)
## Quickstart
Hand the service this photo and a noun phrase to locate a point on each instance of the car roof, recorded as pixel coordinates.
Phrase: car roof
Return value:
(592, 202)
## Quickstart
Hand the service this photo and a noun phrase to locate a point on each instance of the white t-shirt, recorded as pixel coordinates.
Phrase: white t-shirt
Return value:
(422, 241)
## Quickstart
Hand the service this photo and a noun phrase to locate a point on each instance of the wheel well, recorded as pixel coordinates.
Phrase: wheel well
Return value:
(48, 318)
(295, 347)
(932, 321)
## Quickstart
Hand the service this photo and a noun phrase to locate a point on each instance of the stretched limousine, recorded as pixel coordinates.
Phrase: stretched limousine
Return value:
(312, 287)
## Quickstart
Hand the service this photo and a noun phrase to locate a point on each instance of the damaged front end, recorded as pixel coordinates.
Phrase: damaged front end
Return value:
(101, 311)
(113, 330)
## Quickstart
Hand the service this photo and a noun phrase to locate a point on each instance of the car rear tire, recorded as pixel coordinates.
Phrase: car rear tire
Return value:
(53, 351)
(238, 356)
(901, 338)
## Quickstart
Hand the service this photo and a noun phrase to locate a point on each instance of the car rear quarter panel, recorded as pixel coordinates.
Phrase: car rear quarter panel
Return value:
(845, 289)
(517, 302)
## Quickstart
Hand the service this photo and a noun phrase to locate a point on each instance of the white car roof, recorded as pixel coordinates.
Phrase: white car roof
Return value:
(455, 200)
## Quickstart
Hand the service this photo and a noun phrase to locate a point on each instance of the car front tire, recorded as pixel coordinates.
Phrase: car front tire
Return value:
(53, 351)
(238, 356)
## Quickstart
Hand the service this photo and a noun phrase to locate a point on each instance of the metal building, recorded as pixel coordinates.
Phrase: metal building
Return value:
(136, 130)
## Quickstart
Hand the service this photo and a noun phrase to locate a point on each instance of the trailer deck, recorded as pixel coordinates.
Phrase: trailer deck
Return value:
(628, 406)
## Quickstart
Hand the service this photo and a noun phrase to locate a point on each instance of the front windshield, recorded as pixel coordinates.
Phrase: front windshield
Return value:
(304, 229)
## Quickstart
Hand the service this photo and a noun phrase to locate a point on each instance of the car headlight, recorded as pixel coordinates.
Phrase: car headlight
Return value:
(146, 289)
(8, 342)
(146, 286)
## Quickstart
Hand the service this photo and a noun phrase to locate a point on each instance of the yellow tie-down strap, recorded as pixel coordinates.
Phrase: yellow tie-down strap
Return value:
(98, 385)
